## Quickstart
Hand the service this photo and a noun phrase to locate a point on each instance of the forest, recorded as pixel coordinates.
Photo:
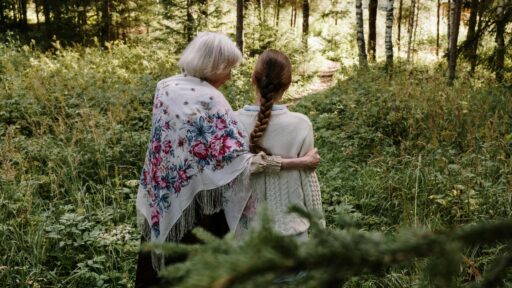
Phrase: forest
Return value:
(410, 102)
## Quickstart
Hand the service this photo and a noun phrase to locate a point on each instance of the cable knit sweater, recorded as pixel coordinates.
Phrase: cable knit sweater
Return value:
(288, 135)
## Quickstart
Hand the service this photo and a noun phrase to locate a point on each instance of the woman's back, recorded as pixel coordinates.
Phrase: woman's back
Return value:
(288, 134)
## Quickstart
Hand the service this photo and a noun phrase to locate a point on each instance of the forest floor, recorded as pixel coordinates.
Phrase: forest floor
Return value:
(323, 80)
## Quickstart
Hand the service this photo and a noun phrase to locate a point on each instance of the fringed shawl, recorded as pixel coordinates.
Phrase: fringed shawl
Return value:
(196, 156)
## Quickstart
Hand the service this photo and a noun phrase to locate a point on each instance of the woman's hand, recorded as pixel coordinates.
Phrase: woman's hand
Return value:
(312, 159)
(309, 161)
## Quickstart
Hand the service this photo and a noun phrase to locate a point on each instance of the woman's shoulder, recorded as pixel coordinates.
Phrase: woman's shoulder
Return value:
(180, 84)
(299, 118)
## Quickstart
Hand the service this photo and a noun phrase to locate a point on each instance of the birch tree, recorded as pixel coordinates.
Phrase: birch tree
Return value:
(388, 36)
(437, 26)
(363, 61)
(400, 5)
(410, 29)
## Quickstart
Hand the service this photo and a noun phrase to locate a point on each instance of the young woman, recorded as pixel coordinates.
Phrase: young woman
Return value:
(197, 162)
(277, 131)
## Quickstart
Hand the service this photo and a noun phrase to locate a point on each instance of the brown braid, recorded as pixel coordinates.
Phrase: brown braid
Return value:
(272, 76)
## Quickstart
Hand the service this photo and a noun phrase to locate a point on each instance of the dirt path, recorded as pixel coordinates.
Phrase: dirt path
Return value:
(323, 81)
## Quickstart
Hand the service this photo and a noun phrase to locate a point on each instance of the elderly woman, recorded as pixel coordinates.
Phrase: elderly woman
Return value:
(197, 164)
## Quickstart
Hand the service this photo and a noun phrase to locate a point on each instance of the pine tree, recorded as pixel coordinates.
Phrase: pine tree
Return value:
(332, 257)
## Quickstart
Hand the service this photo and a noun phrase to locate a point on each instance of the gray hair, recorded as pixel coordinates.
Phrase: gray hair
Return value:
(209, 56)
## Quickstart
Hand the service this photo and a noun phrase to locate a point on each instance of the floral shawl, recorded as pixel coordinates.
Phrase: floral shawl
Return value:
(196, 158)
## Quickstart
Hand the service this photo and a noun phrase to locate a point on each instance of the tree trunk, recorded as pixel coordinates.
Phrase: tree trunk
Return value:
(278, 11)
(449, 23)
(2, 16)
(399, 26)
(452, 52)
(389, 36)
(23, 18)
(437, 26)
(500, 40)
(261, 14)
(471, 36)
(473, 60)
(291, 17)
(205, 14)
(47, 19)
(36, 3)
(14, 9)
(240, 24)
(105, 21)
(305, 23)
(363, 61)
(410, 29)
(372, 29)
(415, 29)
(189, 25)
(294, 17)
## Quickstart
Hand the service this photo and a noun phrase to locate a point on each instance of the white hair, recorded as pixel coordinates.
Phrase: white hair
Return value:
(209, 56)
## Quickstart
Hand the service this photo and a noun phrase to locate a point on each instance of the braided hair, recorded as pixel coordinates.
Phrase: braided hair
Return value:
(272, 76)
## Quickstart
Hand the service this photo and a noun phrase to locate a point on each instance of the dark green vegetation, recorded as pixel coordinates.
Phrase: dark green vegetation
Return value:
(401, 151)
(409, 152)
(401, 159)
(412, 151)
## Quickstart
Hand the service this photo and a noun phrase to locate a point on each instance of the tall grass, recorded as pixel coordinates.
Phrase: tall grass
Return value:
(74, 125)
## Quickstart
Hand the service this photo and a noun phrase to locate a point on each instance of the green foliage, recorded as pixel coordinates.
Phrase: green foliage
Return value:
(74, 124)
(399, 157)
(74, 128)
(331, 258)
(403, 152)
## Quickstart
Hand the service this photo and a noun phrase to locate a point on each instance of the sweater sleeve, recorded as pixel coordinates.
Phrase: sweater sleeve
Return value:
(309, 180)
(261, 162)
(308, 142)
(312, 196)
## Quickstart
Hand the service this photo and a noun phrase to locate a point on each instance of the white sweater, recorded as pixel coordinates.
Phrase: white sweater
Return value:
(289, 135)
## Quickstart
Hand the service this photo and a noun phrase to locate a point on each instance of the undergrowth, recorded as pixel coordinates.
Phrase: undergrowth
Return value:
(74, 125)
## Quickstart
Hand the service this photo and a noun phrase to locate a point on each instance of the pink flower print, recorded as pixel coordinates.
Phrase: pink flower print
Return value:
(155, 175)
(183, 176)
(152, 195)
(220, 146)
(200, 150)
(167, 146)
(163, 183)
(155, 145)
(156, 160)
(146, 176)
(155, 216)
(221, 124)
(239, 144)
(177, 186)
(166, 125)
